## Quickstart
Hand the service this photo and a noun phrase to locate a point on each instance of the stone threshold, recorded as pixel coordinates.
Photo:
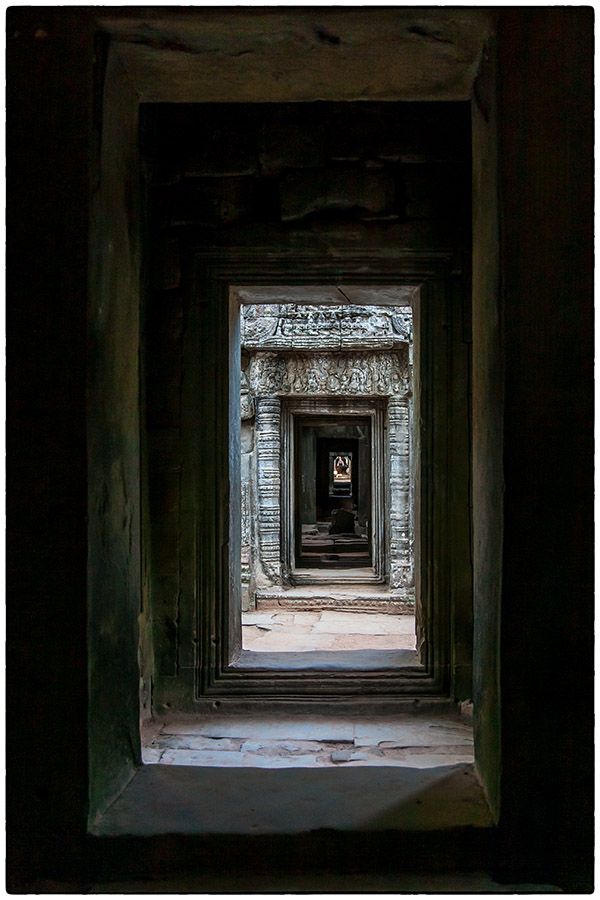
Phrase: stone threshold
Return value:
(278, 774)
(327, 660)
(192, 799)
(355, 597)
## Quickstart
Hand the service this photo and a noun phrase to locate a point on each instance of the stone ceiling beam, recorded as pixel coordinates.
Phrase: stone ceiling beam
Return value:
(191, 55)
(321, 295)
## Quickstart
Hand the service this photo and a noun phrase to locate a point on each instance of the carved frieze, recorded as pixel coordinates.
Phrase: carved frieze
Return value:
(375, 374)
(397, 605)
(297, 327)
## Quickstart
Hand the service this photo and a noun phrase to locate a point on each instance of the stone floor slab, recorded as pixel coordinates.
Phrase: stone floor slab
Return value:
(317, 728)
(284, 618)
(411, 734)
(351, 627)
(196, 742)
(233, 759)
(301, 632)
(292, 643)
(257, 618)
(188, 799)
(371, 642)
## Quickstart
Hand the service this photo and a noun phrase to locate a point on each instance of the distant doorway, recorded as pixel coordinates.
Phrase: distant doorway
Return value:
(334, 490)
(333, 493)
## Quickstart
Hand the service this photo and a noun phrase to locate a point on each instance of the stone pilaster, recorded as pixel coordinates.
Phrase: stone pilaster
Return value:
(400, 524)
(268, 446)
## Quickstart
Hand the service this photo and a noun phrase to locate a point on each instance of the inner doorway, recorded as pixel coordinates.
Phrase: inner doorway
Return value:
(333, 493)
(327, 470)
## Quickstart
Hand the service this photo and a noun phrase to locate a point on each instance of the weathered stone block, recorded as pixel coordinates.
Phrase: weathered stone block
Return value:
(167, 265)
(434, 190)
(165, 492)
(420, 209)
(226, 151)
(288, 145)
(164, 448)
(165, 599)
(418, 182)
(164, 532)
(336, 188)
(163, 394)
(164, 318)
(349, 141)
(290, 326)
(165, 407)
(209, 201)
(164, 548)
(163, 173)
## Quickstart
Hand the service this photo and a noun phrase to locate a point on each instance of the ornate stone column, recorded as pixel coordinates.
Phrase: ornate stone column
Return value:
(400, 525)
(268, 458)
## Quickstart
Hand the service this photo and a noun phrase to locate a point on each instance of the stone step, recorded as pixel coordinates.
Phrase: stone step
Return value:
(355, 597)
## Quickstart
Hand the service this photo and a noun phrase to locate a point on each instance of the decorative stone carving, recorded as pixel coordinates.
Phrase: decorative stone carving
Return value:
(268, 445)
(379, 374)
(359, 604)
(256, 330)
(402, 324)
(293, 326)
(246, 536)
(400, 525)
(246, 399)
(334, 351)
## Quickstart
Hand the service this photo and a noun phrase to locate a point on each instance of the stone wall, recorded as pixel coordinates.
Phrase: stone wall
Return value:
(314, 167)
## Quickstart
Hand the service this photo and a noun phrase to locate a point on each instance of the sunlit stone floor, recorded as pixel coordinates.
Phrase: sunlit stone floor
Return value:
(297, 632)
(307, 741)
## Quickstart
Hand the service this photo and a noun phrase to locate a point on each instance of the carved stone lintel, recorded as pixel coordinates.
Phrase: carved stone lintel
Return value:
(292, 326)
(329, 374)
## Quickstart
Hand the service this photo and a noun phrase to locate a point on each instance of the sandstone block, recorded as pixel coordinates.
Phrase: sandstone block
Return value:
(165, 592)
(207, 201)
(434, 190)
(336, 188)
(288, 145)
(163, 173)
(223, 152)
(167, 265)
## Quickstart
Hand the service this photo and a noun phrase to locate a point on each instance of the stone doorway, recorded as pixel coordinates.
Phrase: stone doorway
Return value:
(332, 481)
(327, 473)
(333, 529)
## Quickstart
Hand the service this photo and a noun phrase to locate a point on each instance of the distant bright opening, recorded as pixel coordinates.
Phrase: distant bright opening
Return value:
(327, 475)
